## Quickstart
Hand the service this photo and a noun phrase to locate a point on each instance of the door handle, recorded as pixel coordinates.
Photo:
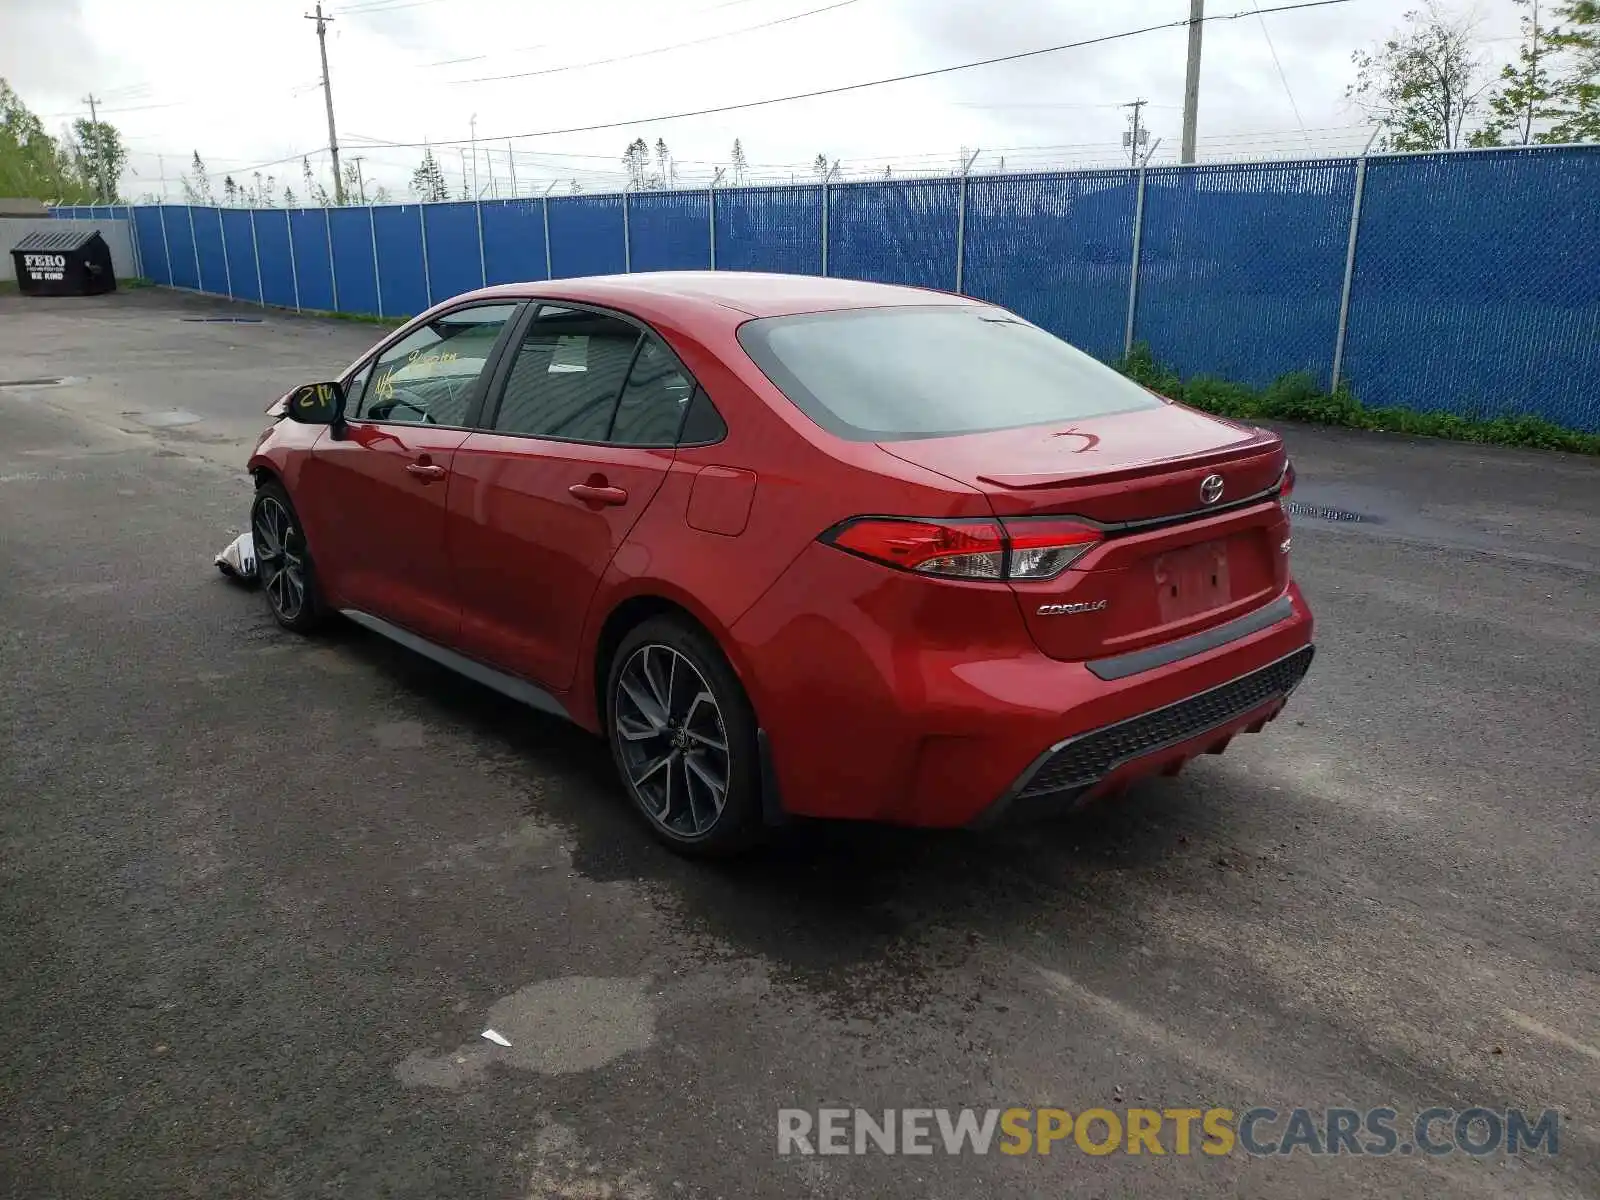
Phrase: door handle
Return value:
(425, 470)
(598, 494)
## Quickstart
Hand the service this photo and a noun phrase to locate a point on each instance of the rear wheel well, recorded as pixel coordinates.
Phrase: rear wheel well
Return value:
(628, 615)
(264, 476)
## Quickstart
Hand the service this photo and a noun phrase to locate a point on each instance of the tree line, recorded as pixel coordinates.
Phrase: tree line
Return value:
(81, 165)
(1429, 87)
(261, 191)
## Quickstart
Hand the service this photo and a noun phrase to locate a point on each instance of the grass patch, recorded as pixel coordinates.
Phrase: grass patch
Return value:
(358, 318)
(1298, 397)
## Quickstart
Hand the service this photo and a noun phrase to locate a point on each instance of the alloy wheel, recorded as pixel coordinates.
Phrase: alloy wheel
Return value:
(672, 739)
(280, 558)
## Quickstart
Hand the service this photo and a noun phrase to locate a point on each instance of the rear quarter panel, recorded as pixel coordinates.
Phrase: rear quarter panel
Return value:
(805, 482)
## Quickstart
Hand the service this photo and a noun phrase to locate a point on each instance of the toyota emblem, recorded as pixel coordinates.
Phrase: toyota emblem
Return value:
(1211, 489)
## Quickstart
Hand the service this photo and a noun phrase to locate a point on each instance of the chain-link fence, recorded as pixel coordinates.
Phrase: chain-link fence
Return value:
(1466, 282)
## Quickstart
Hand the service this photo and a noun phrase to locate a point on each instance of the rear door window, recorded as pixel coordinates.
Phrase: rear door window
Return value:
(890, 374)
(567, 376)
(653, 402)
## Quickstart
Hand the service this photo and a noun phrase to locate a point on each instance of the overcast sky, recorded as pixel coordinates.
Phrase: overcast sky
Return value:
(238, 80)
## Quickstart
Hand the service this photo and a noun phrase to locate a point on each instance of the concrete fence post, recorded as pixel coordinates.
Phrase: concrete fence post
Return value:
(1133, 271)
(1349, 275)
(711, 220)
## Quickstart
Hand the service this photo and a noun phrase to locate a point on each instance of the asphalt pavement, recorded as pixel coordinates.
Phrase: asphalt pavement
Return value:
(260, 895)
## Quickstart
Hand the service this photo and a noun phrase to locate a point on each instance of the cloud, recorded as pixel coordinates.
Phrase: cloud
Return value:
(50, 51)
(239, 80)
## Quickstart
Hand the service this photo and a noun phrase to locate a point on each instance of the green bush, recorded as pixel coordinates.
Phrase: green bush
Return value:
(1299, 397)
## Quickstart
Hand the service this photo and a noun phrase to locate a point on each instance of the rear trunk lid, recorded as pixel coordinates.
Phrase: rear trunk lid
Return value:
(1177, 555)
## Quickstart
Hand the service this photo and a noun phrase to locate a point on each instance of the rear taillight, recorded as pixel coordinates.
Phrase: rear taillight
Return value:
(1023, 548)
(1285, 486)
(955, 549)
(1043, 547)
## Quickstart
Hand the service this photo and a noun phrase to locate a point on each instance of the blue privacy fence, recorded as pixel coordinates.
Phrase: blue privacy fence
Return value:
(1466, 282)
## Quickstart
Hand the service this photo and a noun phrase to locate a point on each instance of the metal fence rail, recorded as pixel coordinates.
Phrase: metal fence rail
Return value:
(1465, 282)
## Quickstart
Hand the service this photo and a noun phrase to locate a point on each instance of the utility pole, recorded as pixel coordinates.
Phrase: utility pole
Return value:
(99, 163)
(511, 157)
(327, 95)
(1135, 137)
(1191, 81)
(361, 184)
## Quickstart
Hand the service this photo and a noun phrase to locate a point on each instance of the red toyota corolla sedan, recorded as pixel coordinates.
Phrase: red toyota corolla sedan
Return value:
(796, 546)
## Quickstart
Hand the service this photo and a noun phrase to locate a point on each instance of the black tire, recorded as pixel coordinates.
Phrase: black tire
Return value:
(283, 562)
(684, 735)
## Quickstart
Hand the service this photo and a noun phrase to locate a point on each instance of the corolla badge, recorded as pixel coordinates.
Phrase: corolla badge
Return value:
(1211, 489)
(1057, 610)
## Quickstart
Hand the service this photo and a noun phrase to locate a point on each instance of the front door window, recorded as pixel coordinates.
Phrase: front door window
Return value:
(433, 375)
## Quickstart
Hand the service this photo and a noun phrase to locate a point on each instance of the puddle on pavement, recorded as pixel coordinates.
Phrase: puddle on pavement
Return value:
(222, 320)
(555, 1027)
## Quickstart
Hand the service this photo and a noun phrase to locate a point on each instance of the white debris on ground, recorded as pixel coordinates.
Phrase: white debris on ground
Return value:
(238, 560)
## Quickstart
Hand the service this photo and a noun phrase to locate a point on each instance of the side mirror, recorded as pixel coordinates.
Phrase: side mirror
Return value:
(317, 404)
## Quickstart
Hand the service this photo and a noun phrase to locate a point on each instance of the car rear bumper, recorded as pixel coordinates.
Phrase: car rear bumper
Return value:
(1076, 768)
(889, 700)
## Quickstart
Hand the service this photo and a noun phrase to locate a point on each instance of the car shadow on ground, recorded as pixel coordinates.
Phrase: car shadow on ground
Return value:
(822, 896)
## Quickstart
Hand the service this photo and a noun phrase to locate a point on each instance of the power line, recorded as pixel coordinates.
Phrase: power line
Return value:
(450, 62)
(1288, 91)
(277, 162)
(601, 62)
(382, 6)
(1053, 104)
(111, 112)
(872, 83)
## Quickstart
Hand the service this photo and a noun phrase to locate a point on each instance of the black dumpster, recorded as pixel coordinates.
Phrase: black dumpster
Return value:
(73, 262)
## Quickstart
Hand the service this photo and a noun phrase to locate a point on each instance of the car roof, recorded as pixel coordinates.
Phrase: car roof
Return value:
(725, 293)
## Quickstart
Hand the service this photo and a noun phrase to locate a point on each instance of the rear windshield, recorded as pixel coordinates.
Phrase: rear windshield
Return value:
(890, 374)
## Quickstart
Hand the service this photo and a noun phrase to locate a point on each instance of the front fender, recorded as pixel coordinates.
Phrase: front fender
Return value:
(282, 450)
